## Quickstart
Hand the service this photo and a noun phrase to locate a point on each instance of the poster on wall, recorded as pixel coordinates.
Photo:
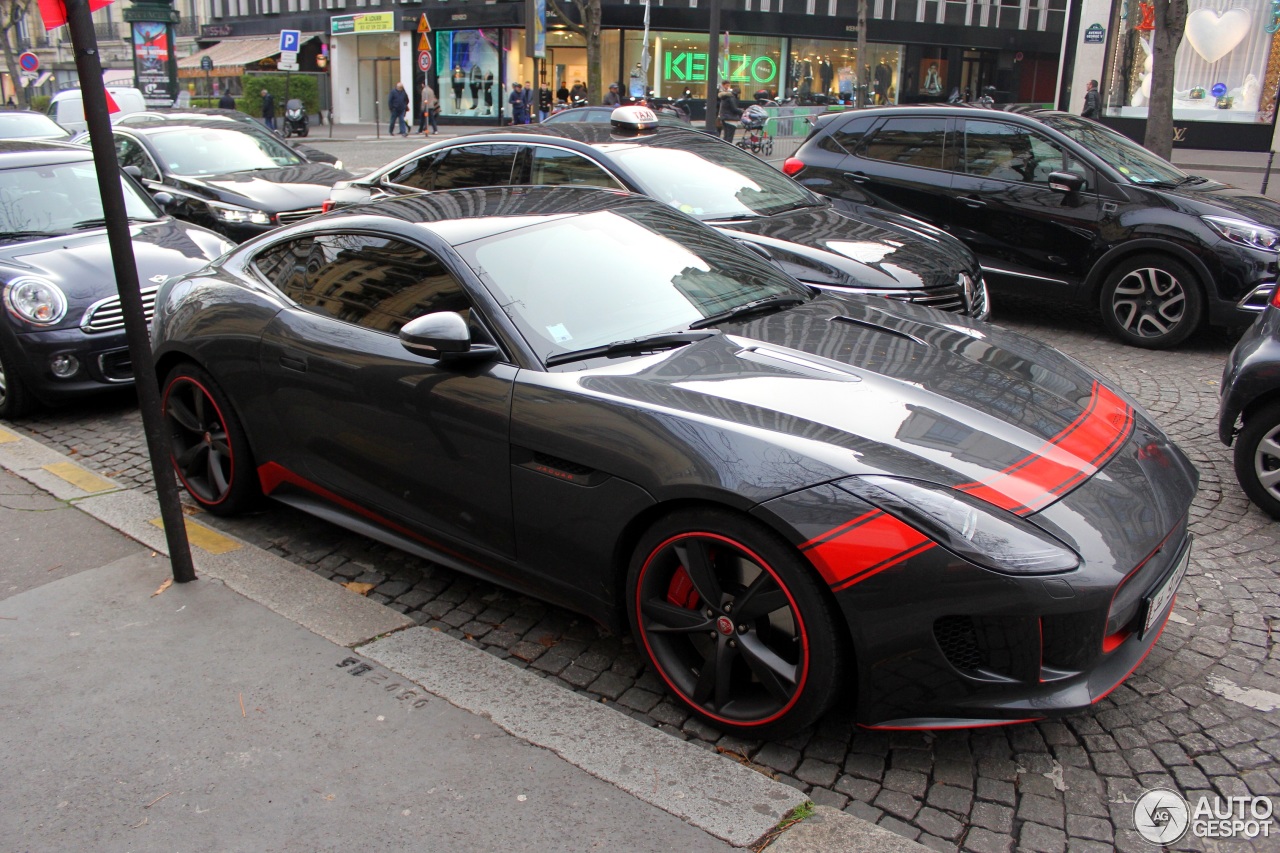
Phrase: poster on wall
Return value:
(933, 76)
(154, 65)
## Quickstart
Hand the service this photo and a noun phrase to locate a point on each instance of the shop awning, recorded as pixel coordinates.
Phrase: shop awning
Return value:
(230, 56)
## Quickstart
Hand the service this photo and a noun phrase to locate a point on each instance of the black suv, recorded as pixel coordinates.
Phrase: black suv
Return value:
(1060, 208)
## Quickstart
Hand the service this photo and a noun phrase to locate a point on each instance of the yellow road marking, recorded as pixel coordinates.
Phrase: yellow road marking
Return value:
(203, 537)
(79, 477)
(6, 436)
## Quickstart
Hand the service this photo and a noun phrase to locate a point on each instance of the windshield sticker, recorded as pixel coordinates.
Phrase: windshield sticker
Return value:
(559, 333)
(1124, 170)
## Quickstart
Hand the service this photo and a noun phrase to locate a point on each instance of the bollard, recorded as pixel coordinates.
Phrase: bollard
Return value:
(1266, 176)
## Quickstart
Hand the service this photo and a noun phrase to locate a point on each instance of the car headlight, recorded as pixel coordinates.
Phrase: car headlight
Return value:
(35, 300)
(1245, 233)
(973, 529)
(238, 215)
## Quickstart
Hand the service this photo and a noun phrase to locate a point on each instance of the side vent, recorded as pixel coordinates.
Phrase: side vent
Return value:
(554, 466)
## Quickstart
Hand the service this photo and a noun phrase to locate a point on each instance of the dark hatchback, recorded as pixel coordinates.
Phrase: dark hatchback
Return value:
(1249, 411)
(229, 118)
(62, 335)
(224, 178)
(1062, 209)
(823, 243)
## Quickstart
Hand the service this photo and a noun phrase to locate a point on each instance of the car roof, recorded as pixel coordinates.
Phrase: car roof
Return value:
(963, 110)
(220, 117)
(594, 134)
(21, 153)
(147, 128)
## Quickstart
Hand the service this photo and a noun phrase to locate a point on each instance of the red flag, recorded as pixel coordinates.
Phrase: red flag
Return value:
(54, 12)
(112, 106)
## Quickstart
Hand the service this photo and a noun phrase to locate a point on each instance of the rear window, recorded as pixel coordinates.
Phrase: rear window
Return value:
(910, 142)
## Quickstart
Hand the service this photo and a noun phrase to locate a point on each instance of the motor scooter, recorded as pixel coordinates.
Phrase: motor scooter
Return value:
(296, 120)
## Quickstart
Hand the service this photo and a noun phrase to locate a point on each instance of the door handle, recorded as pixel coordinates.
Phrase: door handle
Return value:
(972, 201)
(857, 177)
(294, 362)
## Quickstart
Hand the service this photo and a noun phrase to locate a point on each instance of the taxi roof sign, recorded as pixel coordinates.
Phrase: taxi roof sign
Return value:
(633, 119)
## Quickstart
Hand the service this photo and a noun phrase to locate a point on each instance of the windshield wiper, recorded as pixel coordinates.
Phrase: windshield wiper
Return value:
(15, 235)
(756, 306)
(101, 222)
(734, 217)
(648, 343)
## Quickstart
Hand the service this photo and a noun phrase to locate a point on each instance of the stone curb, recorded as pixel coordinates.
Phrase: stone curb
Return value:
(707, 790)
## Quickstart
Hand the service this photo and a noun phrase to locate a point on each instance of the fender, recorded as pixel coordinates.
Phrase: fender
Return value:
(1093, 282)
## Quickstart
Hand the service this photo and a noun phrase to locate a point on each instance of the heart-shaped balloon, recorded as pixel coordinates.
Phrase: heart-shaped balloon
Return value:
(1213, 36)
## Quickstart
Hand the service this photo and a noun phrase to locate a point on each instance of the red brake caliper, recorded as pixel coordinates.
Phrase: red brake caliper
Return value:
(680, 591)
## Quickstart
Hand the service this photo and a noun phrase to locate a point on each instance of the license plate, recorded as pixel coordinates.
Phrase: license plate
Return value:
(1159, 600)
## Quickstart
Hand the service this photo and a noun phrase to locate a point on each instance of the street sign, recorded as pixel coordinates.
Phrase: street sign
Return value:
(1095, 34)
(424, 43)
(287, 64)
(29, 62)
(424, 61)
(206, 63)
(424, 26)
(290, 41)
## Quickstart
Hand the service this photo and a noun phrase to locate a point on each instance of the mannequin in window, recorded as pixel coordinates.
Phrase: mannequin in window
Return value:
(806, 78)
(488, 93)
(826, 74)
(882, 75)
(477, 79)
(459, 80)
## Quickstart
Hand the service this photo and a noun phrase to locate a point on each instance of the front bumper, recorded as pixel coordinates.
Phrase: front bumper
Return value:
(1252, 372)
(104, 362)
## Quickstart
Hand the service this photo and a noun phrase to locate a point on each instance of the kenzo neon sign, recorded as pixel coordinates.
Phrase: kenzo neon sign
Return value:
(736, 67)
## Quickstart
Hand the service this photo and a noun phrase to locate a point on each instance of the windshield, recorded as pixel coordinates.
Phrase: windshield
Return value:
(1119, 152)
(710, 180)
(57, 199)
(635, 272)
(17, 125)
(219, 151)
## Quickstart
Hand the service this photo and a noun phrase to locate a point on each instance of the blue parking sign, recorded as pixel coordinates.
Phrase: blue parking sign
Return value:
(290, 41)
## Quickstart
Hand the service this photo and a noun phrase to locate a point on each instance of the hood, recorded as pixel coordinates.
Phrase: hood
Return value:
(862, 385)
(80, 263)
(1211, 197)
(827, 247)
(298, 187)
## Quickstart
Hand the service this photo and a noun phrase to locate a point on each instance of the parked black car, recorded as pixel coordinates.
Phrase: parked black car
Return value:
(62, 334)
(1249, 411)
(794, 497)
(1060, 208)
(236, 118)
(237, 182)
(822, 243)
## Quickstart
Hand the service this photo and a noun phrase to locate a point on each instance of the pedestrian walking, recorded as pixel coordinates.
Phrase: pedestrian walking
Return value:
(544, 101)
(268, 109)
(430, 110)
(226, 102)
(728, 110)
(519, 112)
(613, 99)
(528, 94)
(398, 103)
(1090, 99)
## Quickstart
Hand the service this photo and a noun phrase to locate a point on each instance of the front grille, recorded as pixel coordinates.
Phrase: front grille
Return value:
(959, 642)
(949, 298)
(991, 646)
(288, 217)
(106, 315)
(116, 366)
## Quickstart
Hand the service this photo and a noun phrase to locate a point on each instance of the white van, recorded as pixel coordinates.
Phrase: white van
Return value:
(67, 106)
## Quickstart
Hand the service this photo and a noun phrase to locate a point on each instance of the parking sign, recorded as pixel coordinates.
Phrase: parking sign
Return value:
(290, 41)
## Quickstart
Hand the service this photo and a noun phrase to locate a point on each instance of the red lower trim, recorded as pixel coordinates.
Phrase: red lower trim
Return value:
(948, 726)
(1154, 640)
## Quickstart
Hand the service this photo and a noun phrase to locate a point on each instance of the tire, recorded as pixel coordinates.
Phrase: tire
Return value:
(1257, 458)
(306, 131)
(15, 399)
(210, 453)
(1151, 301)
(769, 669)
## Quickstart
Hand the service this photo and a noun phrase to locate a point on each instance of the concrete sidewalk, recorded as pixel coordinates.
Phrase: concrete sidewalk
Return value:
(232, 713)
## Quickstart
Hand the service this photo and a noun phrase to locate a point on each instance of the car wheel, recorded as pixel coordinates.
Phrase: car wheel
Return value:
(1257, 458)
(15, 399)
(1152, 301)
(735, 623)
(210, 452)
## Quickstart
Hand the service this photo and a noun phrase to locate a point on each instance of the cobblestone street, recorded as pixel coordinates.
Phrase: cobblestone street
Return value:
(1198, 716)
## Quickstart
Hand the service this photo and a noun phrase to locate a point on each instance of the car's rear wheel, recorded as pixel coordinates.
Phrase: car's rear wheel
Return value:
(735, 623)
(1257, 458)
(15, 399)
(210, 452)
(1152, 301)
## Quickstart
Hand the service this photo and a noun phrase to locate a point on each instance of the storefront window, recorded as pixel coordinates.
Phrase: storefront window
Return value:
(1220, 71)
(678, 61)
(467, 66)
(824, 71)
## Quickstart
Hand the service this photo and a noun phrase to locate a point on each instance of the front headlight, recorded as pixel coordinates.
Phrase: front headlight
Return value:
(238, 215)
(975, 530)
(1245, 233)
(35, 300)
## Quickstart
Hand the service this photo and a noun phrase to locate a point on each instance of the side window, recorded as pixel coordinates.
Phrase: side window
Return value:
(910, 142)
(418, 174)
(474, 166)
(131, 153)
(376, 282)
(556, 166)
(846, 138)
(1006, 152)
(286, 265)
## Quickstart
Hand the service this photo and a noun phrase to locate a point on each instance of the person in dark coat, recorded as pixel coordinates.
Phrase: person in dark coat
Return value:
(1090, 100)
(268, 109)
(728, 110)
(226, 102)
(398, 103)
(613, 99)
(519, 111)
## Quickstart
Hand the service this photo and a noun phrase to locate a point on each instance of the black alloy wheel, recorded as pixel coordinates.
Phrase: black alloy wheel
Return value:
(15, 399)
(1257, 458)
(735, 623)
(1152, 301)
(210, 452)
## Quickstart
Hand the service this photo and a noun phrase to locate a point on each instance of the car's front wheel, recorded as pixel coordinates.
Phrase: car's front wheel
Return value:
(1257, 458)
(15, 399)
(735, 623)
(210, 452)
(1152, 301)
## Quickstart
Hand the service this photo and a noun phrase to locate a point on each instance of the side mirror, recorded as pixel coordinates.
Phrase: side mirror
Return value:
(1066, 182)
(443, 334)
(133, 172)
(163, 200)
